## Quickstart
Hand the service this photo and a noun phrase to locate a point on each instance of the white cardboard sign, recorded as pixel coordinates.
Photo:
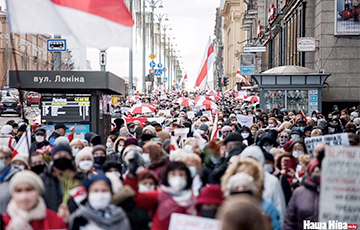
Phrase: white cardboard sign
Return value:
(332, 140)
(187, 222)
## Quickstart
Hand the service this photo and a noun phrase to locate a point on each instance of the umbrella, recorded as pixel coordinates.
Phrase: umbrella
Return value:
(213, 93)
(227, 92)
(215, 98)
(202, 98)
(252, 99)
(133, 98)
(184, 101)
(141, 108)
(239, 97)
(208, 104)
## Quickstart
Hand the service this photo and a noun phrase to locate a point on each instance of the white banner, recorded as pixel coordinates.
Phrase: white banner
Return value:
(340, 186)
(244, 120)
(332, 140)
(187, 222)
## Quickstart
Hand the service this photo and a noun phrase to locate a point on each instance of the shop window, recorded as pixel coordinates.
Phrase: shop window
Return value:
(297, 99)
(274, 99)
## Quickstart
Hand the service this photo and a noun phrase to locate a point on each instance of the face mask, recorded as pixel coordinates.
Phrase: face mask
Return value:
(132, 130)
(271, 125)
(302, 129)
(210, 213)
(99, 200)
(192, 170)
(242, 192)
(108, 145)
(116, 173)
(39, 139)
(74, 152)
(253, 132)
(296, 154)
(99, 160)
(85, 166)
(245, 135)
(334, 116)
(177, 183)
(63, 163)
(267, 147)
(315, 179)
(295, 136)
(143, 188)
(120, 148)
(268, 168)
(283, 140)
(332, 130)
(146, 158)
(21, 167)
(14, 130)
(38, 169)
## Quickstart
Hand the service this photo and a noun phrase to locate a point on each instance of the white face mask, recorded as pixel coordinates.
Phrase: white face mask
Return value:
(192, 170)
(177, 183)
(143, 188)
(245, 135)
(296, 154)
(75, 151)
(267, 147)
(146, 158)
(14, 130)
(295, 137)
(120, 148)
(268, 168)
(99, 200)
(116, 173)
(39, 139)
(21, 167)
(85, 166)
(109, 145)
(272, 125)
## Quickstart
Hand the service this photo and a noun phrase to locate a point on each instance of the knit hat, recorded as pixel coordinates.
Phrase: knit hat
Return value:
(29, 177)
(149, 128)
(254, 152)
(101, 176)
(312, 165)
(85, 152)
(210, 194)
(124, 132)
(61, 140)
(287, 146)
(130, 141)
(233, 137)
(21, 157)
(61, 147)
(241, 179)
(226, 128)
(98, 148)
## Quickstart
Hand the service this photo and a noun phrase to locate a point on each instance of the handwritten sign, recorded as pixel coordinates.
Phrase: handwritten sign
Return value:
(340, 185)
(332, 140)
(244, 120)
(187, 222)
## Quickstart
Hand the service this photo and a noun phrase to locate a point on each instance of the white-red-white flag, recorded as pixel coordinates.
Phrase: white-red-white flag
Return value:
(24, 143)
(183, 79)
(94, 23)
(173, 144)
(215, 129)
(208, 60)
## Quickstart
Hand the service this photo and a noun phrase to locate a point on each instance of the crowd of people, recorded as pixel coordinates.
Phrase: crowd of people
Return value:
(256, 177)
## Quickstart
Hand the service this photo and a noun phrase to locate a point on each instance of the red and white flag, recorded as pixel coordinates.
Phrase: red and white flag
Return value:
(24, 143)
(208, 60)
(183, 79)
(215, 129)
(94, 23)
(173, 144)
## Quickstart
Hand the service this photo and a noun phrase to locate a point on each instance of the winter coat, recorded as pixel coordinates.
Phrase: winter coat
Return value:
(53, 137)
(51, 222)
(5, 195)
(270, 209)
(159, 167)
(161, 203)
(303, 205)
(35, 145)
(273, 192)
(113, 218)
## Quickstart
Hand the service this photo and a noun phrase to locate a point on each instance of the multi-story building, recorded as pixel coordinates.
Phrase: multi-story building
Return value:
(21, 51)
(332, 32)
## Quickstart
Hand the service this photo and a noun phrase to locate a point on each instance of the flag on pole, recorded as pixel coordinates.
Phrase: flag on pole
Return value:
(208, 60)
(94, 23)
(215, 129)
(23, 146)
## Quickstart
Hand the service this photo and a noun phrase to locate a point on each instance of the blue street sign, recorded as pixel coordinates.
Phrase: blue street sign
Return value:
(152, 64)
(247, 70)
(159, 65)
(158, 71)
(56, 45)
(165, 79)
(164, 69)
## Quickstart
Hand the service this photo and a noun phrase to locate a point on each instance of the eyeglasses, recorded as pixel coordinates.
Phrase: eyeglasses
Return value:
(203, 120)
(284, 136)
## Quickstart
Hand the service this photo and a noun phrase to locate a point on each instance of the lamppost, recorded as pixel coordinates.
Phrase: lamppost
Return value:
(160, 18)
(152, 5)
(164, 27)
(131, 57)
(25, 44)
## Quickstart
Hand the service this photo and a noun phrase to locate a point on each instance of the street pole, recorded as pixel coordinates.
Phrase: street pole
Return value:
(143, 66)
(131, 58)
(6, 53)
(57, 58)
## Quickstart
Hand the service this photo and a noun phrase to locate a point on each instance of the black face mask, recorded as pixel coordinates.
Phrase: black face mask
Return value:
(38, 169)
(210, 213)
(63, 164)
(99, 160)
(242, 192)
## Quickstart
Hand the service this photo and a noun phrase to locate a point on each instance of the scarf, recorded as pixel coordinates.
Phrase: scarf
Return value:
(21, 219)
(170, 201)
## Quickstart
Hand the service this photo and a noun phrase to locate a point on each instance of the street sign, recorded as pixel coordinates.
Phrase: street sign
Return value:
(247, 64)
(152, 64)
(164, 69)
(247, 70)
(160, 65)
(165, 79)
(254, 49)
(56, 45)
(158, 71)
(152, 56)
(102, 58)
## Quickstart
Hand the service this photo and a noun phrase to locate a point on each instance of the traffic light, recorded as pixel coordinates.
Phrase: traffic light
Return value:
(219, 83)
(226, 81)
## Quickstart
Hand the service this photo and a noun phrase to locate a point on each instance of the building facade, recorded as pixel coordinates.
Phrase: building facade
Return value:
(330, 29)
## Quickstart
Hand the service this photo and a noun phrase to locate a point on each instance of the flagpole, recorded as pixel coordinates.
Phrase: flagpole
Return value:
(143, 57)
(131, 56)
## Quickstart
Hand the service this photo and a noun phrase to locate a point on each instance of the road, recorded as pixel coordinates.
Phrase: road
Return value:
(30, 113)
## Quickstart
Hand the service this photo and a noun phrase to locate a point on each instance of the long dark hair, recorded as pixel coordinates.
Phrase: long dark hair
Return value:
(177, 165)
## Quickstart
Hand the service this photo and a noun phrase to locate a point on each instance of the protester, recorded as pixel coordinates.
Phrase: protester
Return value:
(40, 140)
(37, 163)
(99, 154)
(6, 139)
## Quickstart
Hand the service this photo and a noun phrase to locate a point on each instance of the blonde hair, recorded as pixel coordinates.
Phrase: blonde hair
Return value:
(76, 141)
(285, 125)
(305, 159)
(254, 169)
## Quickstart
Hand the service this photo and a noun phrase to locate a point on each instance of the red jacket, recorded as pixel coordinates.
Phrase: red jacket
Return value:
(150, 201)
(51, 222)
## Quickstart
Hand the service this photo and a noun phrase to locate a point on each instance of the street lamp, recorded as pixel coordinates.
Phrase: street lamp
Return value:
(152, 5)
(25, 44)
(165, 27)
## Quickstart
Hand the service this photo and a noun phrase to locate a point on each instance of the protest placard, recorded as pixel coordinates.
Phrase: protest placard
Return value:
(332, 140)
(244, 120)
(187, 222)
(190, 114)
(340, 187)
(165, 111)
